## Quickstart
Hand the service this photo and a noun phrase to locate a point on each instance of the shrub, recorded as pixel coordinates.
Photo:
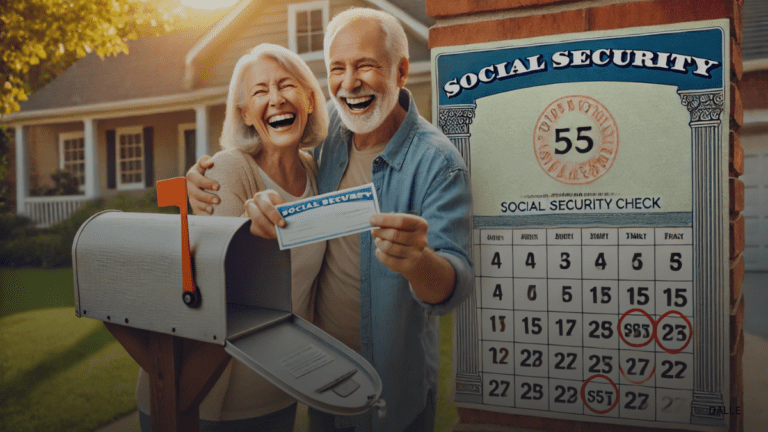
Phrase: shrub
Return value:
(21, 245)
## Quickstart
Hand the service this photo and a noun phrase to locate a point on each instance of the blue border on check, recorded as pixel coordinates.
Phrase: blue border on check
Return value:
(316, 215)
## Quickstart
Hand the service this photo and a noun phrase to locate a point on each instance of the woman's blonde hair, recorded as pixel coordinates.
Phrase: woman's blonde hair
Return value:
(236, 133)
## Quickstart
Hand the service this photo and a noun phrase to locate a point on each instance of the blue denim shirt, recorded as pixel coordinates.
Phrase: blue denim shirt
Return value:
(419, 172)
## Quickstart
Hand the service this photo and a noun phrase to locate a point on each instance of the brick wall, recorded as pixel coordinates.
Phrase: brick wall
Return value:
(462, 22)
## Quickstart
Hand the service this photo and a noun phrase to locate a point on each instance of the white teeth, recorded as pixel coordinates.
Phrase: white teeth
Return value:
(359, 100)
(279, 117)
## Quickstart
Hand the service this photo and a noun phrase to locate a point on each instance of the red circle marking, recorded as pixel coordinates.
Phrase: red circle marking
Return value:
(690, 333)
(653, 325)
(598, 160)
(653, 371)
(584, 400)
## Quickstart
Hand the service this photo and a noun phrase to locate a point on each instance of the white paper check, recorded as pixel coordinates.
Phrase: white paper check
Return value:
(327, 216)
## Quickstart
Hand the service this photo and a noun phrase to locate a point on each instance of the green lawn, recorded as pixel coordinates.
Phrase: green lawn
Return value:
(26, 289)
(63, 373)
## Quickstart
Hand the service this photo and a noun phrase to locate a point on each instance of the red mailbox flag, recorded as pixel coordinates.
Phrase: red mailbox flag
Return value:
(173, 192)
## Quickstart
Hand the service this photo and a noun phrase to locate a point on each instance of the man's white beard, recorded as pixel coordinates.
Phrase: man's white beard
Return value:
(368, 122)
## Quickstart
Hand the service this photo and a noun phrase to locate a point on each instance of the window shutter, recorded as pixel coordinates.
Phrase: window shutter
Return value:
(149, 166)
(111, 160)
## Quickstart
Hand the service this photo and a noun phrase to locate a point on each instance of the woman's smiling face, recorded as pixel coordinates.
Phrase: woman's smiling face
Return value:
(277, 106)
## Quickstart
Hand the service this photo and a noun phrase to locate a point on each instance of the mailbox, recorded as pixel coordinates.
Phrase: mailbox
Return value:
(128, 270)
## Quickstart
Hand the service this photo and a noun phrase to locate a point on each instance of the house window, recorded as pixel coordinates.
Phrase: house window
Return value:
(72, 156)
(130, 158)
(306, 28)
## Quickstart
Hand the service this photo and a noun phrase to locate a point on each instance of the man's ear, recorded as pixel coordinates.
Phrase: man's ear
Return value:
(402, 72)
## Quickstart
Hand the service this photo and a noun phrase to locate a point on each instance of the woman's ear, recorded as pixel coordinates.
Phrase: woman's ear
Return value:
(242, 112)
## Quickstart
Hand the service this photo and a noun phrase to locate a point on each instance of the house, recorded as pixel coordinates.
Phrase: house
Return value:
(124, 122)
(754, 132)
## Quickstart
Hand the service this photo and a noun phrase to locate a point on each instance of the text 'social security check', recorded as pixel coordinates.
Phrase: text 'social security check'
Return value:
(327, 216)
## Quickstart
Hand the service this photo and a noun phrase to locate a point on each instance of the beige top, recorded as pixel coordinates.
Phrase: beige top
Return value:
(338, 292)
(240, 392)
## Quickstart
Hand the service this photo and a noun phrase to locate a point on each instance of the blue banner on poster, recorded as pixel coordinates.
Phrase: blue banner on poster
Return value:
(683, 59)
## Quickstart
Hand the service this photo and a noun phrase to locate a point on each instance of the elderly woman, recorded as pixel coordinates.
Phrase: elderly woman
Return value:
(275, 108)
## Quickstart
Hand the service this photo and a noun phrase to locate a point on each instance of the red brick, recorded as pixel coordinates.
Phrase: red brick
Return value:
(754, 89)
(736, 325)
(737, 110)
(736, 29)
(448, 8)
(736, 278)
(737, 63)
(506, 29)
(736, 195)
(736, 155)
(654, 12)
(737, 236)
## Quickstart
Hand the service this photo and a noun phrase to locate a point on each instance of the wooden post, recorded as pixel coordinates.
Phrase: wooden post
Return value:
(181, 371)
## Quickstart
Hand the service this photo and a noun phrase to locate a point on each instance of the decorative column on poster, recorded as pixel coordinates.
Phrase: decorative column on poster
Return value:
(599, 174)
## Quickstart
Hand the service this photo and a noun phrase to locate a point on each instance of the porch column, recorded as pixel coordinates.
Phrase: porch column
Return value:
(91, 158)
(202, 147)
(22, 169)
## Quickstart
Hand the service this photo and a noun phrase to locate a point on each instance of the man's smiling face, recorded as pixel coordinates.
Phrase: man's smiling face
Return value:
(362, 78)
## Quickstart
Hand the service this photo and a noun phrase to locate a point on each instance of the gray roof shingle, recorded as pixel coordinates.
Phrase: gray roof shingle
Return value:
(155, 67)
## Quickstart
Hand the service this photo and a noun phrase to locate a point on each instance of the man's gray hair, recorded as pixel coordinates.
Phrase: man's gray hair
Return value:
(236, 133)
(395, 41)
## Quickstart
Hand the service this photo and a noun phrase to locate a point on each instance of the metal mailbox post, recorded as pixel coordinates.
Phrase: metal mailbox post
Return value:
(128, 273)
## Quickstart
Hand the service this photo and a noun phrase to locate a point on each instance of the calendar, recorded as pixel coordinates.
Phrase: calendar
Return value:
(599, 175)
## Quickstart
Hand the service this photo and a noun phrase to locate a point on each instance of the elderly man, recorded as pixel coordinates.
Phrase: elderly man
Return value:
(378, 292)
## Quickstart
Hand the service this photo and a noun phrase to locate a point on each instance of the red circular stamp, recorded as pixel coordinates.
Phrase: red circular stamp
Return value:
(576, 140)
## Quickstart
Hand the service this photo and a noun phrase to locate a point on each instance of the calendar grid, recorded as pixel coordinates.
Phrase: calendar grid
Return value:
(615, 367)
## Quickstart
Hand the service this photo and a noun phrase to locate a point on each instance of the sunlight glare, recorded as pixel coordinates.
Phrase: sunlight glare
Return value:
(208, 4)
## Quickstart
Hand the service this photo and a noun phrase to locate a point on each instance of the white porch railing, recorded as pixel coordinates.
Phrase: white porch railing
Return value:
(48, 211)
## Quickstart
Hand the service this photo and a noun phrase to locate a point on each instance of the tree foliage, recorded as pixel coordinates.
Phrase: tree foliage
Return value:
(41, 38)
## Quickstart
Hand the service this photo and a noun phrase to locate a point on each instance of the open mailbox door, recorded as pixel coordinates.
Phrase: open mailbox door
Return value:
(128, 270)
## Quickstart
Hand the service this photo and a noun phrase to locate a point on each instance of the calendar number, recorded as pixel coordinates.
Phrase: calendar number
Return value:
(563, 391)
(600, 396)
(636, 401)
(498, 385)
(672, 404)
(637, 330)
(535, 327)
(502, 324)
(638, 366)
(680, 298)
(532, 358)
(503, 352)
(671, 367)
(679, 329)
(605, 326)
(496, 260)
(532, 292)
(567, 296)
(532, 391)
(530, 261)
(600, 261)
(675, 262)
(570, 323)
(637, 263)
(565, 262)
(497, 292)
(605, 294)
(642, 296)
(597, 361)
(561, 362)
